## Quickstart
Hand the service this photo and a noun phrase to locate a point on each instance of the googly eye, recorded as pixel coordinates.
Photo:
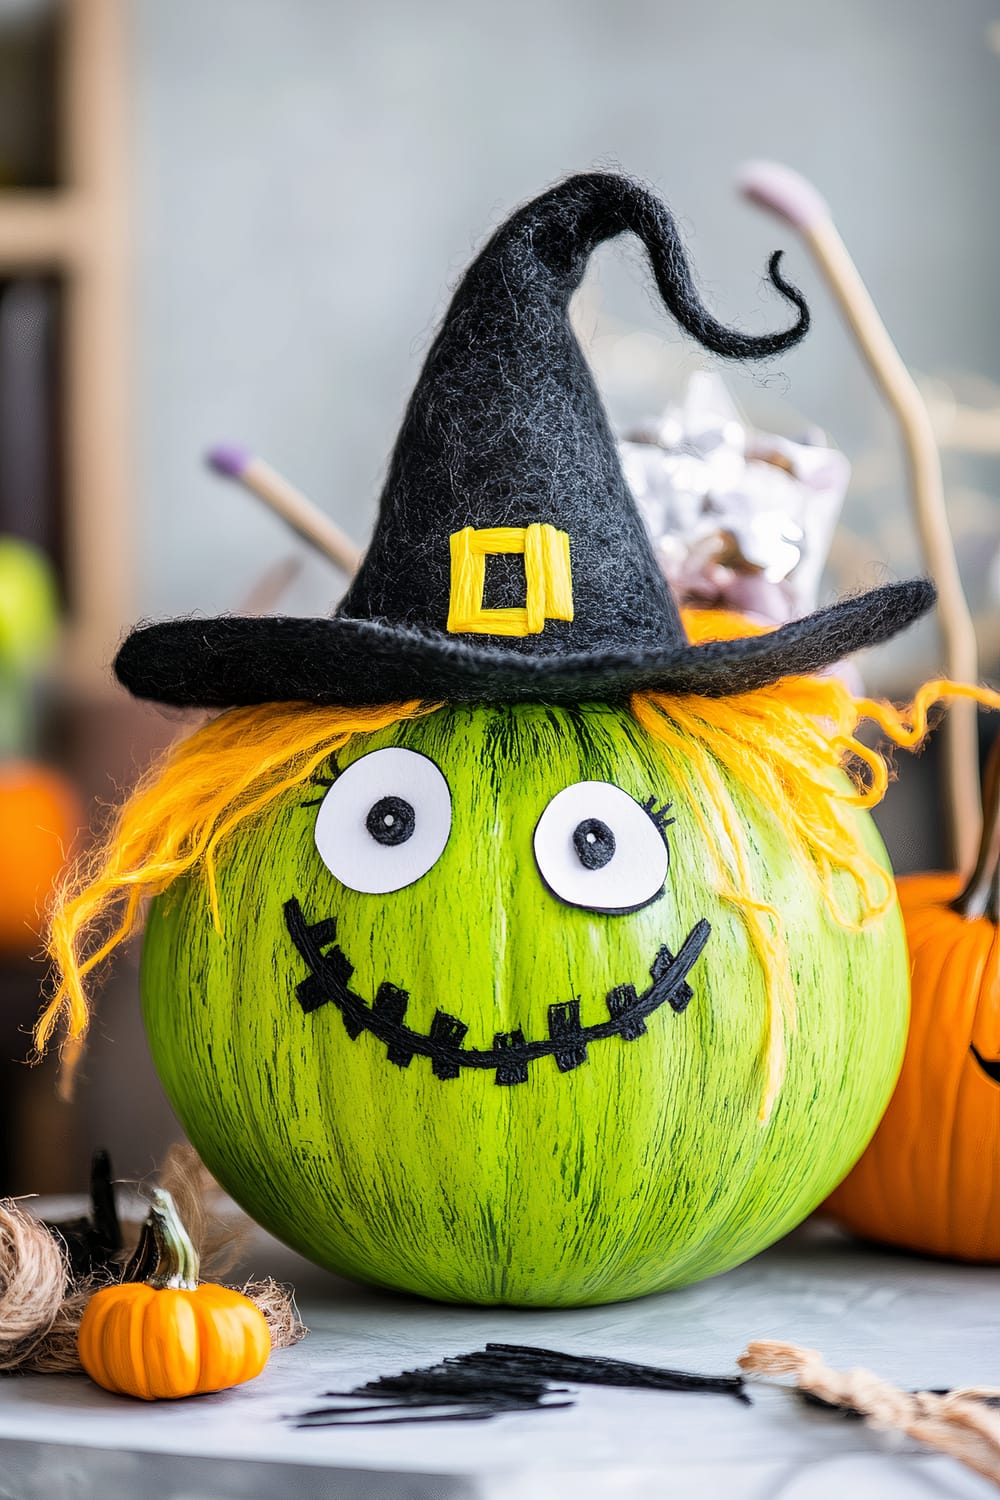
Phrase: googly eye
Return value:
(385, 821)
(596, 847)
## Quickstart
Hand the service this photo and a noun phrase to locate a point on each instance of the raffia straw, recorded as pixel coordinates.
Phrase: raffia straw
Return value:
(219, 1239)
(276, 1300)
(956, 1424)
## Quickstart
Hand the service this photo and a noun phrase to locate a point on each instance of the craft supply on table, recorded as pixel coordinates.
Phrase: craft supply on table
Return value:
(500, 1378)
(961, 1423)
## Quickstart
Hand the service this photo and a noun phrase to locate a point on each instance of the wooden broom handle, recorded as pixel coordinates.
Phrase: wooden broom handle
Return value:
(794, 199)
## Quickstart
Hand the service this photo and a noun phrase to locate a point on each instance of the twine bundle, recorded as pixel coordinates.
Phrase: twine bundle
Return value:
(41, 1304)
(34, 1283)
(956, 1423)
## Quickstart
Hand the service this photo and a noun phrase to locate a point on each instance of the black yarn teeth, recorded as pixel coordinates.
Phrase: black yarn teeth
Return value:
(511, 1054)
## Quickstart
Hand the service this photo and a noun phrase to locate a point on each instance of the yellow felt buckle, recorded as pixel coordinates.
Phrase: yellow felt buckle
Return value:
(546, 571)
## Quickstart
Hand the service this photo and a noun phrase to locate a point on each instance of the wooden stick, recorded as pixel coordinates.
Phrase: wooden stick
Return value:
(290, 504)
(263, 595)
(795, 200)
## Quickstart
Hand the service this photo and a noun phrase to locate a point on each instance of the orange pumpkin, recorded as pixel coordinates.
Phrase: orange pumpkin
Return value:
(166, 1336)
(40, 816)
(930, 1180)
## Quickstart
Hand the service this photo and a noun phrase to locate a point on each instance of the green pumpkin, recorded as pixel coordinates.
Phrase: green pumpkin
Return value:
(620, 1151)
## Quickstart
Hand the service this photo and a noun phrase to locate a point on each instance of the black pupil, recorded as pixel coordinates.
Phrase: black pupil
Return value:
(594, 843)
(391, 820)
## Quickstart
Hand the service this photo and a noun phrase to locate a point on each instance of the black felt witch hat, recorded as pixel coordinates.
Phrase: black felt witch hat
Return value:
(506, 460)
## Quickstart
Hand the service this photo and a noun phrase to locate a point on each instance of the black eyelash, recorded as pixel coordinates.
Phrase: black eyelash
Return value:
(658, 816)
(317, 779)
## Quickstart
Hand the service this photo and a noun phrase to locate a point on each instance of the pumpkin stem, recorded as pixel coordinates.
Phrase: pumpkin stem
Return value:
(165, 1258)
(981, 896)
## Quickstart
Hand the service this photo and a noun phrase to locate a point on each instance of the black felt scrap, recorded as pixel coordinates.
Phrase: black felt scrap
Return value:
(94, 1242)
(506, 429)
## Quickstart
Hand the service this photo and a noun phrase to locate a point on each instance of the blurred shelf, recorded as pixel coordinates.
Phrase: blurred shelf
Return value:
(29, 91)
(43, 230)
(76, 232)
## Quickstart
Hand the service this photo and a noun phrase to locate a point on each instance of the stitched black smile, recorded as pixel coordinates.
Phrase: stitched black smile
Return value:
(330, 971)
(991, 1069)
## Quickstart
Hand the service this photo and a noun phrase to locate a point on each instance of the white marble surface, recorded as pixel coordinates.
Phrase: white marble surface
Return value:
(914, 1321)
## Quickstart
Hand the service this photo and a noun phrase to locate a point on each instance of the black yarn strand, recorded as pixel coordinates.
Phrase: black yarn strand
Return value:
(499, 1379)
(585, 1369)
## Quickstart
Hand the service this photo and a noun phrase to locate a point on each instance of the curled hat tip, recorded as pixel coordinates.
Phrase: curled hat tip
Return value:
(229, 459)
(783, 191)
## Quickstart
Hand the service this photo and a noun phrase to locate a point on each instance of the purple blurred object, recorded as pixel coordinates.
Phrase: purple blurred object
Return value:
(738, 519)
(228, 459)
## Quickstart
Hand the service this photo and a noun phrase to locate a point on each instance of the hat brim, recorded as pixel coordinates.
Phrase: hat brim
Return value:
(231, 661)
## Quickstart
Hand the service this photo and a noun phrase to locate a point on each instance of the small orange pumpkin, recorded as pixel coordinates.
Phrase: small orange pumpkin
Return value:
(930, 1180)
(164, 1335)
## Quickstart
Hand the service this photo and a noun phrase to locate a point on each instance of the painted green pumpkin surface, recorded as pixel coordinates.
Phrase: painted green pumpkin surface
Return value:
(474, 1085)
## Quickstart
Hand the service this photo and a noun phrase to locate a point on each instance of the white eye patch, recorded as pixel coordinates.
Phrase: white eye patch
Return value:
(596, 847)
(385, 821)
